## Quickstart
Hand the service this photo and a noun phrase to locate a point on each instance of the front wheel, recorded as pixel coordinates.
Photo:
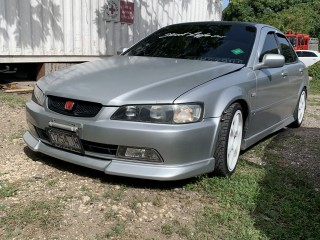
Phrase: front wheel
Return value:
(300, 110)
(229, 141)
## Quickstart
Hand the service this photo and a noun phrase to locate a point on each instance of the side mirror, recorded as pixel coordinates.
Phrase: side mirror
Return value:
(271, 61)
(121, 50)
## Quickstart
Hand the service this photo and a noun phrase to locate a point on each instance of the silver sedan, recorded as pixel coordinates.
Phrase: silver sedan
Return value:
(182, 102)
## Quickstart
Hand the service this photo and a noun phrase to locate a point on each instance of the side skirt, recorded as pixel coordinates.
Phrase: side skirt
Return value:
(247, 142)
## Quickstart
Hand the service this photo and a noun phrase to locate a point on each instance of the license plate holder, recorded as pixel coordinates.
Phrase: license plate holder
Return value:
(65, 139)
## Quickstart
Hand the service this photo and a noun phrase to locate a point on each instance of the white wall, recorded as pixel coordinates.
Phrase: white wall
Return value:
(74, 30)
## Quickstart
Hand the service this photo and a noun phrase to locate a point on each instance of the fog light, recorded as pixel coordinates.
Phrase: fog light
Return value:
(142, 154)
(32, 130)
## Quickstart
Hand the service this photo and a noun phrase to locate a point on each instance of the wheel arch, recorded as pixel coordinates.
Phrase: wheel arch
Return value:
(245, 111)
(225, 99)
(244, 105)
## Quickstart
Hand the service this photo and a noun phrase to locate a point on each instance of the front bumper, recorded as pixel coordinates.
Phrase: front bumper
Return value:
(186, 150)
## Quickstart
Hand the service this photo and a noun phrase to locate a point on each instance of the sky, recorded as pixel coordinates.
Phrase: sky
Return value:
(225, 4)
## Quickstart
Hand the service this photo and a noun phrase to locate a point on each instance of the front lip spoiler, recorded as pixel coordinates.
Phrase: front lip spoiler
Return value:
(37, 146)
(123, 168)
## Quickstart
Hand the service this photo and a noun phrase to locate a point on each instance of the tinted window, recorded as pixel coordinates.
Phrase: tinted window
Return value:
(309, 54)
(270, 46)
(286, 49)
(203, 41)
(300, 54)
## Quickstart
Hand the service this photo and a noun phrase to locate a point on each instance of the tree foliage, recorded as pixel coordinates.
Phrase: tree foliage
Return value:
(295, 15)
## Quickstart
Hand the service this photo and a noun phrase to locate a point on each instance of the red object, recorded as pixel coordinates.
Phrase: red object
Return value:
(126, 12)
(299, 41)
(69, 105)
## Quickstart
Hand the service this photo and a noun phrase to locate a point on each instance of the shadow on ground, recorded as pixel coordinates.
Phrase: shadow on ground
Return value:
(288, 203)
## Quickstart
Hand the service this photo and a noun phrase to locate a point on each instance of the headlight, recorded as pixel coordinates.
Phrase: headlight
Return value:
(38, 96)
(170, 114)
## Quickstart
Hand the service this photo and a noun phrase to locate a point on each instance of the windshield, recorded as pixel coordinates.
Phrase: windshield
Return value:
(200, 41)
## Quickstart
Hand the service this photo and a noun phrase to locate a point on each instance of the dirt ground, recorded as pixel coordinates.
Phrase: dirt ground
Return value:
(97, 206)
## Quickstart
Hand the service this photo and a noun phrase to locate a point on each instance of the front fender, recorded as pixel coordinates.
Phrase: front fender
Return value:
(219, 93)
(225, 99)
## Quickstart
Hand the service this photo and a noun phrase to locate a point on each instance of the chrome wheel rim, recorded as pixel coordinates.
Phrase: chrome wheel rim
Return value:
(234, 140)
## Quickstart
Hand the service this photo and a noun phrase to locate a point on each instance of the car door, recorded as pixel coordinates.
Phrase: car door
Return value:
(270, 103)
(295, 74)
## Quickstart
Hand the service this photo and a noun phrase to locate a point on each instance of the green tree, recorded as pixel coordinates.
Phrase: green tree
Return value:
(296, 15)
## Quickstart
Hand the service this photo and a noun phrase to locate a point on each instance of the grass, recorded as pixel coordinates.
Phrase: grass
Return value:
(12, 100)
(7, 189)
(315, 86)
(111, 214)
(157, 201)
(260, 202)
(314, 101)
(176, 227)
(118, 229)
(135, 202)
(43, 215)
(92, 197)
(314, 71)
(236, 198)
(115, 194)
(52, 182)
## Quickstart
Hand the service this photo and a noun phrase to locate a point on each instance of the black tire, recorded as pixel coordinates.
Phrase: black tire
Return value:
(300, 110)
(222, 165)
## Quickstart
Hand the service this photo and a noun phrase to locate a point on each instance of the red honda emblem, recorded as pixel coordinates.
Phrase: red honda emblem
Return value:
(69, 105)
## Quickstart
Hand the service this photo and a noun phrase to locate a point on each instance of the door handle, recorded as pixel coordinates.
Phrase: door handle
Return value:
(284, 73)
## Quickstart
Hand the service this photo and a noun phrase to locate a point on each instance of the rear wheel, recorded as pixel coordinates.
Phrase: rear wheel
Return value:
(300, 110)
(229, 141)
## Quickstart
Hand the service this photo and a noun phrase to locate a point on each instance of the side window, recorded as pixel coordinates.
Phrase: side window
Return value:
(286, 49)
(299, 53)
(270, 46)
(309, 54)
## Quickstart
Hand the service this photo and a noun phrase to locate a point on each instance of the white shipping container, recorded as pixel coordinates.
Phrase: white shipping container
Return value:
(77, 30)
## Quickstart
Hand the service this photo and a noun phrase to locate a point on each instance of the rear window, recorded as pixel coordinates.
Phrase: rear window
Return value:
(203, 41)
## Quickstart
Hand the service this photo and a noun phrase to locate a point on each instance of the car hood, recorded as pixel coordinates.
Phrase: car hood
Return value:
(133, 80)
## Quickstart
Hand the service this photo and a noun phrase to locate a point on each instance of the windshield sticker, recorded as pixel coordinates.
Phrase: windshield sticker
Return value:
(237, 51)
(194, 35)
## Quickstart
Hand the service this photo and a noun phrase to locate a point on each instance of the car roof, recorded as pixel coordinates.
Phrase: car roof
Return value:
(307, 51)
(254, 24)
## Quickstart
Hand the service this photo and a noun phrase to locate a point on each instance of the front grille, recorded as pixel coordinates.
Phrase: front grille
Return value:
(98, 148)
(80, 108)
